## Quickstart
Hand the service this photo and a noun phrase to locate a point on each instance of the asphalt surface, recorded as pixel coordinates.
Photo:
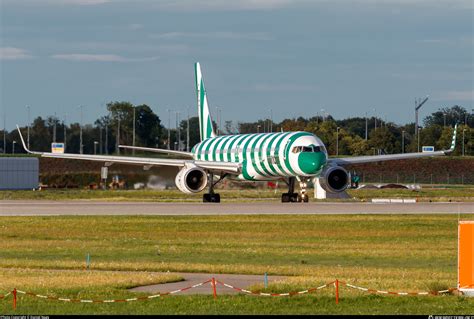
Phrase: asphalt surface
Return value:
(190, 279)
(85, 207)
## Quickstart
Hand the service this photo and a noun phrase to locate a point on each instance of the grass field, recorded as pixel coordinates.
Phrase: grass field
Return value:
(401, 252)
(453, 193)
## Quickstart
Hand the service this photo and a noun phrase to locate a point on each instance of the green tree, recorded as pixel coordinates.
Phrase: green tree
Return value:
(194, 136)
(453, 115)
(382, 139)
(445, 139)
(148, 126)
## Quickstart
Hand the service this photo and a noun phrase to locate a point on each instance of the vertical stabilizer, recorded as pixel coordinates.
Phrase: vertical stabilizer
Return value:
(206, 129)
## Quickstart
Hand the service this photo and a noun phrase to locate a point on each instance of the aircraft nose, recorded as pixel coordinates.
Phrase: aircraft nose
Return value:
(311, 163)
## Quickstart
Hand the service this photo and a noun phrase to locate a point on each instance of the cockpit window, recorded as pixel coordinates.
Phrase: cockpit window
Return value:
(306, 149)
(296, 149)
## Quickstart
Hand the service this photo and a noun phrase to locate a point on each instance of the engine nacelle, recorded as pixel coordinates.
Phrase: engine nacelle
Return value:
(334, 179)
(191, 179)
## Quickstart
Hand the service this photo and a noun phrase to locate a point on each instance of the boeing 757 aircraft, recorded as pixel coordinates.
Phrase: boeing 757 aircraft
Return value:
(287, 156)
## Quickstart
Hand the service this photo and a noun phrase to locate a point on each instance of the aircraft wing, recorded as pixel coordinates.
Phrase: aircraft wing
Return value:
(157, 150)
(217, 167)
(379, 158)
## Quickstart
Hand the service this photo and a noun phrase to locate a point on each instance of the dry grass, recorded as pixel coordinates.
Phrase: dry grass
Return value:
(392, 252)
(53, 279)
(397, 253)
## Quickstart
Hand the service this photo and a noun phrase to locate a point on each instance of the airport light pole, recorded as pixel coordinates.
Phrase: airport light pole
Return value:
(107, 135)
(4, 133)
(100, 140)
(403, 141)
(322, 114)
(418, 105)
(13, 147)
(187, 131)
(118, 135)
(133, 136)
(337, 141)
(169, 127)
(271, 121)
(178, 131)
(375, 119)
(463, 131)
(65, 129)
(218, 121)
(258, 128)
(95, 147)
(28, 128)
(444, 117)
(366, 126)
(54, 128)
(80, 133)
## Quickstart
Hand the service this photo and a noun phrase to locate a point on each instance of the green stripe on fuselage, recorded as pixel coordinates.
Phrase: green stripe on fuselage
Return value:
(269, 149)
(277, 151)
(252, 156)
(288, 148)
(222, 150)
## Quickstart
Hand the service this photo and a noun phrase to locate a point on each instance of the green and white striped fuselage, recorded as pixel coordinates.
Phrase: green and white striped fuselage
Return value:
(266, 156)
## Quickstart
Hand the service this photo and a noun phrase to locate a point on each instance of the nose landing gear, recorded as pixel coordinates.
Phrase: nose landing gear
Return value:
(303, 196)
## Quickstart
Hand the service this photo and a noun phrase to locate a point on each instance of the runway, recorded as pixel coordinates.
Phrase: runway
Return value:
(86, 207)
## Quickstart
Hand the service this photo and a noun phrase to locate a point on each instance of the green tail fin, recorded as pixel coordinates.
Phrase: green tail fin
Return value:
(206, 129)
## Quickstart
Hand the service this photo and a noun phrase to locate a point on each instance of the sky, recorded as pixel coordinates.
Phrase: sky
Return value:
(288, 58)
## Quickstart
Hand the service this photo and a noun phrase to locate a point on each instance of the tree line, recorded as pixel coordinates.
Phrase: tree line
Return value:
(351, 136)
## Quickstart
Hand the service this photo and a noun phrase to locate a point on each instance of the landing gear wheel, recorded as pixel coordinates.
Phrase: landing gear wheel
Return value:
(211, 198)
(291, 196)
(303, 198)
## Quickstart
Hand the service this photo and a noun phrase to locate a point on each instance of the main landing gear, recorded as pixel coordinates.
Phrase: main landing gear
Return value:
(291, 196)
(212, 197)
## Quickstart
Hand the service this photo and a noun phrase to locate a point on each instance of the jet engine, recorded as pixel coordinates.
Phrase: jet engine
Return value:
(191, 179)
(334, 179)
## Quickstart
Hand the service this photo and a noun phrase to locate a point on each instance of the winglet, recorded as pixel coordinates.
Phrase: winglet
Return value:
(23, 142)
(453, 142)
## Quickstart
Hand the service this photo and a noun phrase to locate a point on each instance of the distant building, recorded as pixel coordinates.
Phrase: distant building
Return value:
(19, 173)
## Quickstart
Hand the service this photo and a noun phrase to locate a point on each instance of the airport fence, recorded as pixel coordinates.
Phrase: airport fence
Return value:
(337, 284)
(427, 179)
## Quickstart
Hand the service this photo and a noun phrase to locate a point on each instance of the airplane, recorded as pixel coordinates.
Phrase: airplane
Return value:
(288, 156)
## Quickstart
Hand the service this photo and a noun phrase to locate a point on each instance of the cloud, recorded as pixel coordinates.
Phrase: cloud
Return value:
(260, 36)
(9, 53)
(135, 26)
(239, 5)
(79, 57)
(206, 5)
(64, 2)
(289, 87)
(467, 95)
